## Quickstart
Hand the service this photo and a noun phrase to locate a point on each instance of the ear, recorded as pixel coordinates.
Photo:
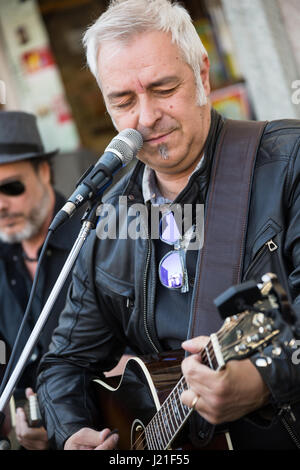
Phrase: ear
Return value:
(44, 172)
(205, 74)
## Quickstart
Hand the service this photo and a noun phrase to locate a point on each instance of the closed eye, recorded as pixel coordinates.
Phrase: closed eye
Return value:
(165, 92)
(122, 105)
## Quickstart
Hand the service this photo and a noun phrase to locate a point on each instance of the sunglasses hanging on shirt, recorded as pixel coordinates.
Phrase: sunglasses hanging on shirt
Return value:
(13, 188)
(172, 268)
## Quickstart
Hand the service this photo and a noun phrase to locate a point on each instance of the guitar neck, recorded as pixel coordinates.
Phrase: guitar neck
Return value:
(168, 421)
(145, 382)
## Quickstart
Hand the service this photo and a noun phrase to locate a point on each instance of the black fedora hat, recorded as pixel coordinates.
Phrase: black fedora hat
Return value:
(20, 138)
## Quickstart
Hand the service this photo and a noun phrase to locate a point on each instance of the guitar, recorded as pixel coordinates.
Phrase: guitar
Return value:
(32, 412)
(144, 404)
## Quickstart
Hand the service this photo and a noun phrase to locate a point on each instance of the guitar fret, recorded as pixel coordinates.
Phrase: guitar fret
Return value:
(175, 409)
(159, 433)
(155, 433)
(163, 431)
(208, 358)
(182, 414)
(149, 437)
(184, 386)
(177, 416)
(170, 437)
(169, 417)
(158, 444)
(166, 424)
(172, 413)
(182, 410)
(177, 413)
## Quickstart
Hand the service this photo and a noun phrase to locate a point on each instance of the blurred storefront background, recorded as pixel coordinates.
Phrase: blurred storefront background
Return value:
(253, 47)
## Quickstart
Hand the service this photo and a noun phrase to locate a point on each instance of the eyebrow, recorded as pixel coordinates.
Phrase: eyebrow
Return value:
(157, 83)
(10, 179)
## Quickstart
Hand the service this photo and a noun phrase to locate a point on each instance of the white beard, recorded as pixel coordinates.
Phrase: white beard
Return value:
(33, 224)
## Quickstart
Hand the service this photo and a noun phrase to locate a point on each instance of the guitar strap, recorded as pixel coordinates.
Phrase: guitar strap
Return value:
(220, 261)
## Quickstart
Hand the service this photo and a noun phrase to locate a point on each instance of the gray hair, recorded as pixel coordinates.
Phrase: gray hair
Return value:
(125, 18)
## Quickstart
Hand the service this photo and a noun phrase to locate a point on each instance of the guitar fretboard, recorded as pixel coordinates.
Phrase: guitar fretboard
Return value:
(167, 422)
(239, 336)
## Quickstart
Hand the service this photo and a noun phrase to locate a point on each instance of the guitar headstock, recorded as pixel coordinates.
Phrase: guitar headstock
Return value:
(254, 326)
(32, 412)
(246, 333)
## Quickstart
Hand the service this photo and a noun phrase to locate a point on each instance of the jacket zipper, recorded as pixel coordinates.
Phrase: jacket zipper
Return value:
(145, 294)
(272, 246)
(286, 410)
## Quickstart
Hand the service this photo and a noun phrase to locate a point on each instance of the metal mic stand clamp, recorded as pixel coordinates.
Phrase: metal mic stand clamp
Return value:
(88, 223)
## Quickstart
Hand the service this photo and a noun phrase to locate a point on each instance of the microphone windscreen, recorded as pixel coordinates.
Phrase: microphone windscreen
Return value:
(126, 145)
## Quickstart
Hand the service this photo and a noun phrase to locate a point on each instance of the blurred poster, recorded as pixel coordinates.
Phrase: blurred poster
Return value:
(36, 74)
(232, 102)
(37, 59)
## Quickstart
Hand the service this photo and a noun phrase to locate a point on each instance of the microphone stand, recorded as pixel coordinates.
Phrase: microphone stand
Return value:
(89, 223)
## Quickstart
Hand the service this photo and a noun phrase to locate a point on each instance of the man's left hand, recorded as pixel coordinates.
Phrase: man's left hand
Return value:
(225, 395)
(30, 438)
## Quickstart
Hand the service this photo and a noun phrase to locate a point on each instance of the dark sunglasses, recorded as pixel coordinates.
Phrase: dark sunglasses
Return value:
(14, 188)
(172, 268)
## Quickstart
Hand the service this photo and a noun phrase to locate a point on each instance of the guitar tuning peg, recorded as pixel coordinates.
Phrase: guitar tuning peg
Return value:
(277, 350)
(268, 277)
(263, 360)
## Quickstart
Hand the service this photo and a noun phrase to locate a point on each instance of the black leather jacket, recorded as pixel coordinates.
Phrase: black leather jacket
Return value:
(111, 301)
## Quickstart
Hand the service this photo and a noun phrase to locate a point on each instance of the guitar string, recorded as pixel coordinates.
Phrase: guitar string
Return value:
(220, 336)
(167, 405)
(143, 438)
(182, 385)
(225, 331)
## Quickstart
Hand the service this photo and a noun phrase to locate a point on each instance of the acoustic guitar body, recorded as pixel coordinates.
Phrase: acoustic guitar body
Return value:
(132, 402)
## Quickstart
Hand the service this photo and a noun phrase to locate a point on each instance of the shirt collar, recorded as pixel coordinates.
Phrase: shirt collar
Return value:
(150, 188)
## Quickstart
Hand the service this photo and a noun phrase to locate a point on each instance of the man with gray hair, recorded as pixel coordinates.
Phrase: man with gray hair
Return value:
(27, 205)
(153, 72)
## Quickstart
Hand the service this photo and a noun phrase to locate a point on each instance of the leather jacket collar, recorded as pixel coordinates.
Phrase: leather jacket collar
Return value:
(199, 181)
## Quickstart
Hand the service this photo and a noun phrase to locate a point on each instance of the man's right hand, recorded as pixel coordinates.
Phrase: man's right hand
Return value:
(89, 439)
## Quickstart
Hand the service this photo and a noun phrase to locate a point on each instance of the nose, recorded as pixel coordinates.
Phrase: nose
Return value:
(149, 112)
(4, 204)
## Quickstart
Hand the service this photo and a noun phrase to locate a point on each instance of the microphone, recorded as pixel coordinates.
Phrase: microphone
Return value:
(97, 178)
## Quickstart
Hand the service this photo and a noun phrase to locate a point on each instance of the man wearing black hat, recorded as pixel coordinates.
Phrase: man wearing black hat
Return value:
(27, 205)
